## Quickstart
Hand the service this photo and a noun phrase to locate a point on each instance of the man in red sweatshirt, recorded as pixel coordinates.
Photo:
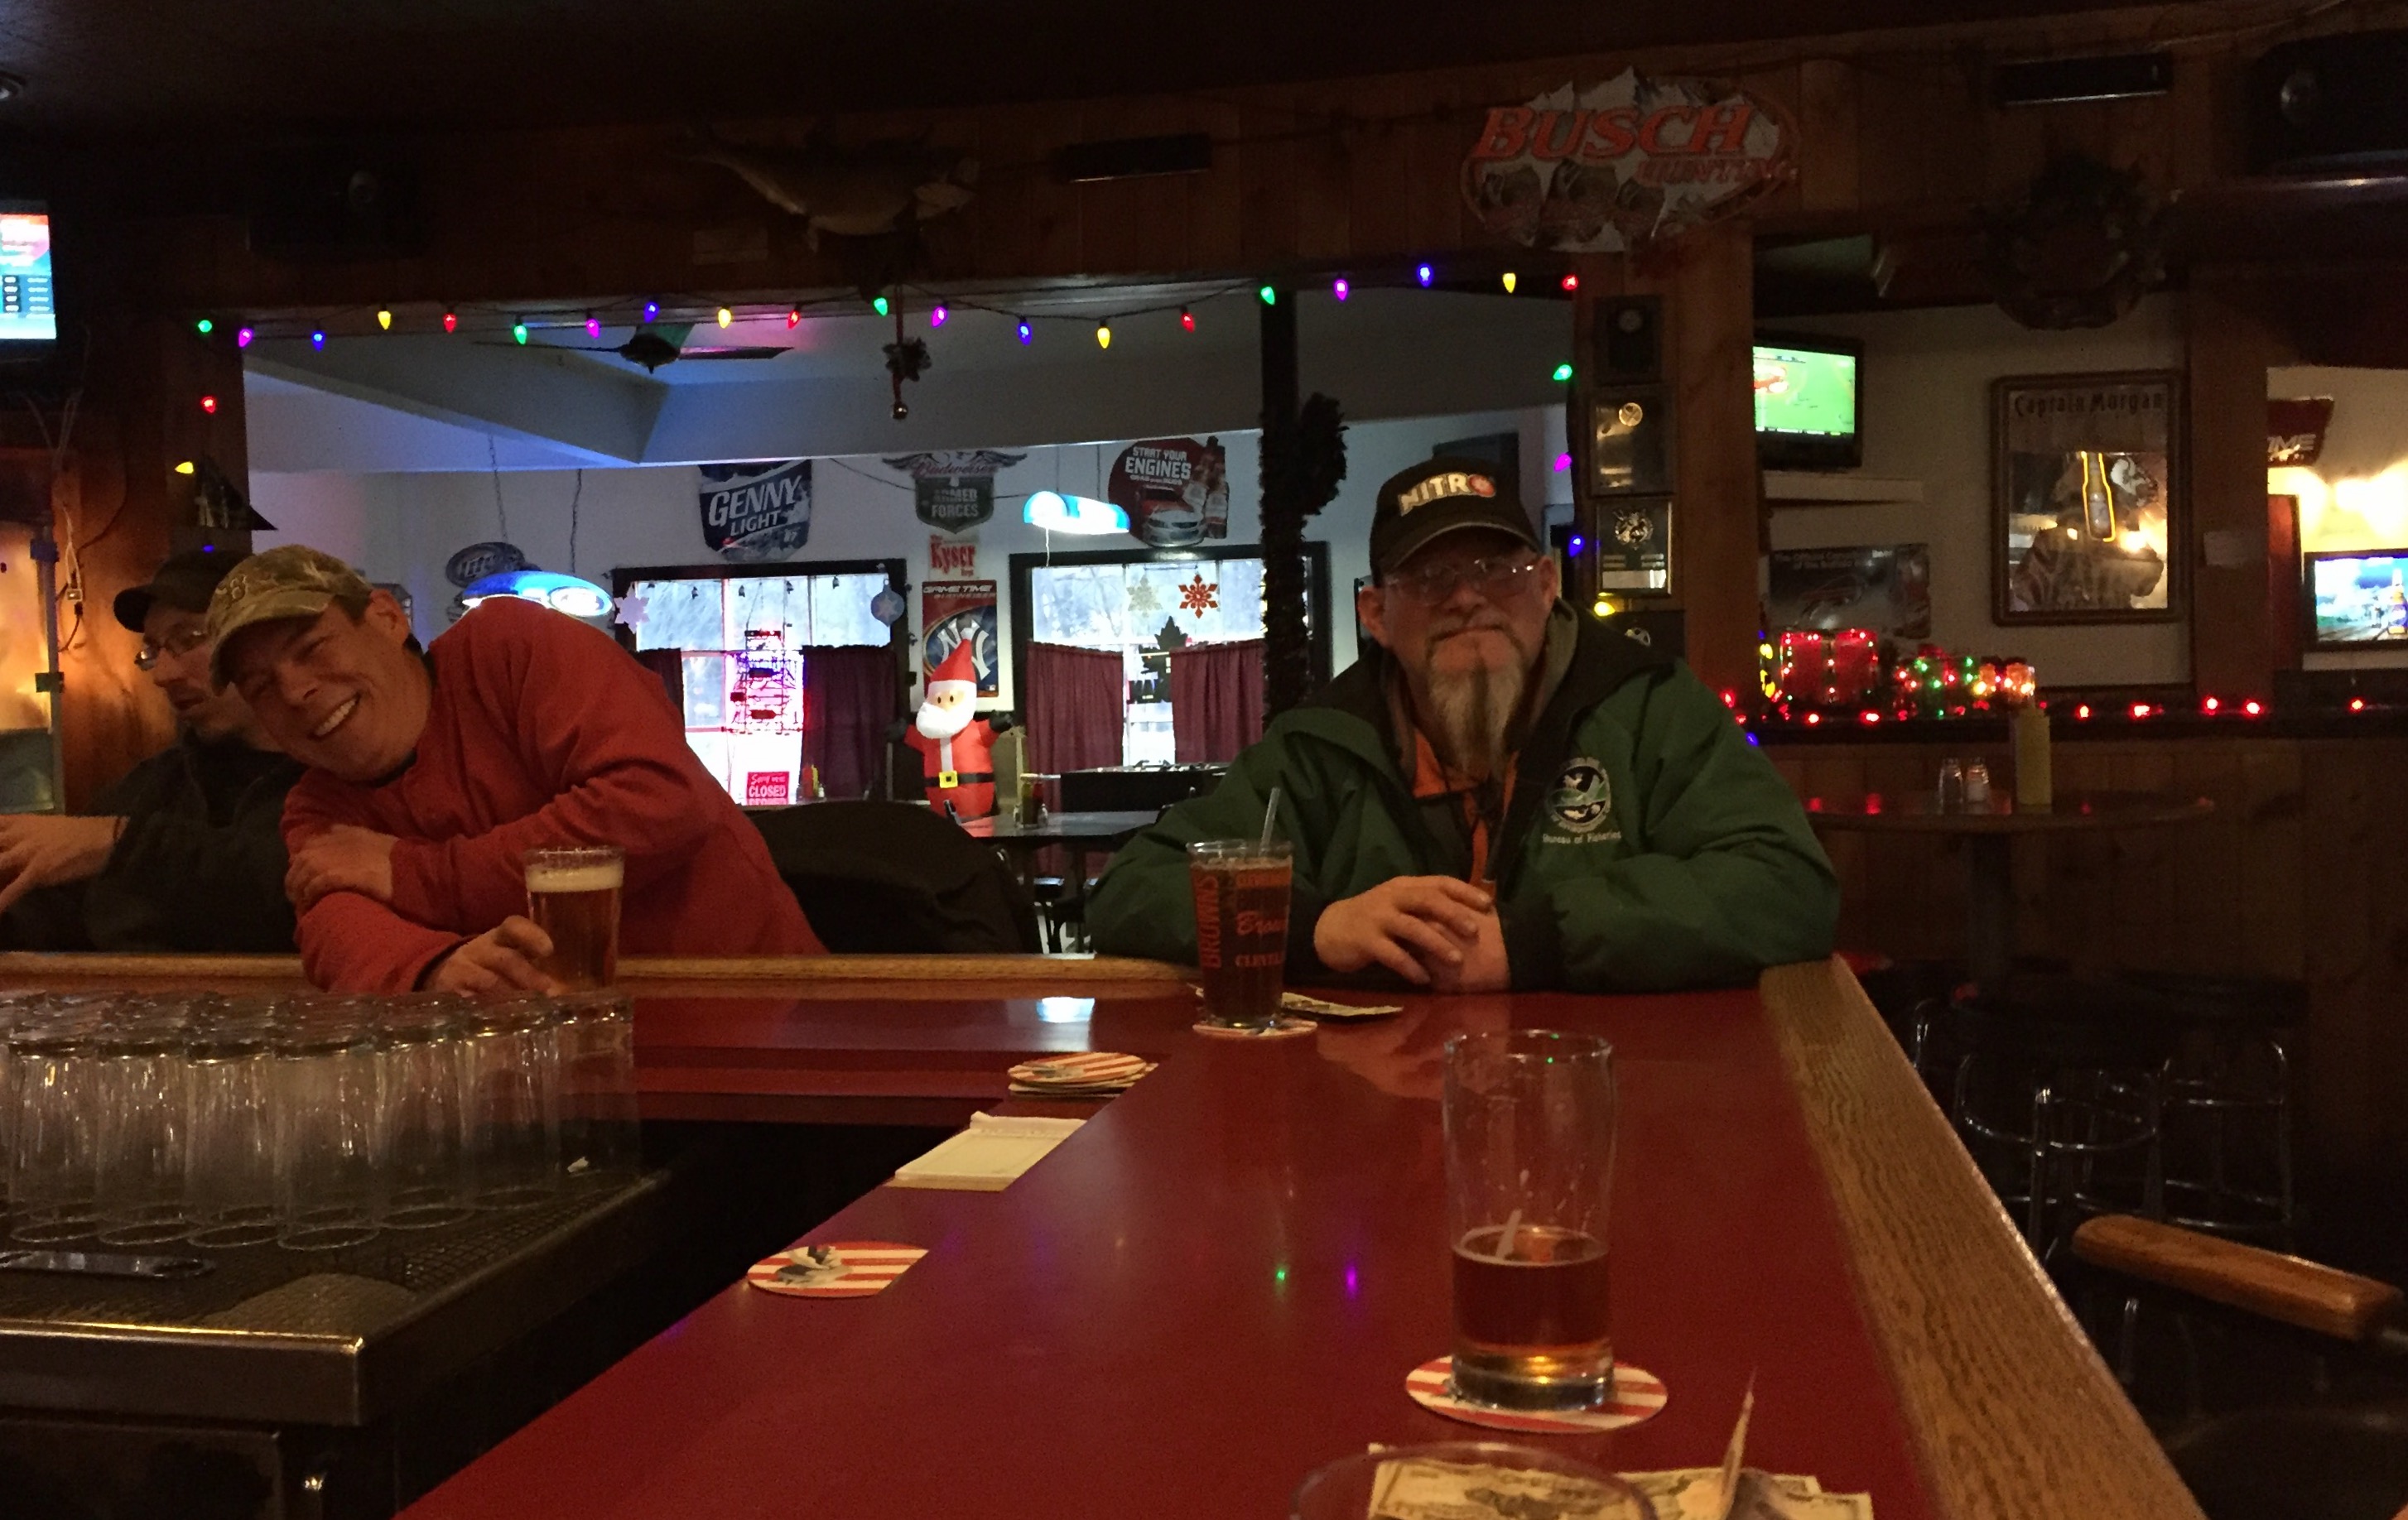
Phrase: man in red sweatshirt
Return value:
(431, 774)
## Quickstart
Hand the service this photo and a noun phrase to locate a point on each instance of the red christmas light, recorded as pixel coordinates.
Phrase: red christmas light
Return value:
(210, 405)
(2358, 704)
(2082, 712)
(2208, 706)
(1186, 320)
(1869, 716)
(2140, 711)
(451, 322)
(1730, 698)
(2253, 707)
(1571, 282)
(1813, 718)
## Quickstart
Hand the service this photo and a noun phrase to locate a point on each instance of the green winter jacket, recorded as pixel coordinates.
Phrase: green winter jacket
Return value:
(1648, 845)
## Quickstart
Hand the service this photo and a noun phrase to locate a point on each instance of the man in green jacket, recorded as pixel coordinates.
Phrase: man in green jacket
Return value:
(1503, 793)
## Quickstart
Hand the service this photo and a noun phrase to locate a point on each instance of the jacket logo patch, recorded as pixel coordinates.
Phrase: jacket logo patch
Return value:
(1582, 801)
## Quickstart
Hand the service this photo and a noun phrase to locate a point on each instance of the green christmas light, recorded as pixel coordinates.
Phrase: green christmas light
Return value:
(878, 304)
(205, 328)
(519, 331)
(1270, 297)
(1563, 373)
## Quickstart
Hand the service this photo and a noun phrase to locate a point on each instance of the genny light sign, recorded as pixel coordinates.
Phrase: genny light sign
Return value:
(1625, 163)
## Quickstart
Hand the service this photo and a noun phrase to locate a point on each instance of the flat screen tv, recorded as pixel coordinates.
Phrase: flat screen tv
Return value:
(29, 318)
(1809, 401)
(2357, 600)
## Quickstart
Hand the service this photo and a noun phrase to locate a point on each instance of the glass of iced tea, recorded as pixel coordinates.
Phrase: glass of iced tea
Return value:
(1241, 890)
(1529, 1118)
(573, 896)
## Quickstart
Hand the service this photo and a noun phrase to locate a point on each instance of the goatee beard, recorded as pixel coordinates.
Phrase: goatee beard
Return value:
(1469, 714)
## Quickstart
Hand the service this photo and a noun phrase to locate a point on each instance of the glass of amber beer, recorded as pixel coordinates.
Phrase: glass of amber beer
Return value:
(1529, 1117)
(573, 896)
(1241, 890)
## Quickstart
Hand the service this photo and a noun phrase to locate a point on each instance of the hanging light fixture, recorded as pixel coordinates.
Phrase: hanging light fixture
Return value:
(1057, 513)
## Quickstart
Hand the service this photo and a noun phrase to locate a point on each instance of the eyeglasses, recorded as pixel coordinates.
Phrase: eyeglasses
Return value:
(174, 647)
(1492, 578)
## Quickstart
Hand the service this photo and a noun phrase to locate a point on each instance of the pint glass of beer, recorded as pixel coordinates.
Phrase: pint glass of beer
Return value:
(1241, 889)
(1529, 1118)
(573, 896)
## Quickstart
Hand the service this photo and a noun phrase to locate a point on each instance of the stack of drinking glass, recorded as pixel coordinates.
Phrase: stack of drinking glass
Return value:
(312, 1121)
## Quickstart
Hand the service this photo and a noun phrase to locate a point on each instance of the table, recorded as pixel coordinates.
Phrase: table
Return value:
(1989, 834)
(1222, 1280)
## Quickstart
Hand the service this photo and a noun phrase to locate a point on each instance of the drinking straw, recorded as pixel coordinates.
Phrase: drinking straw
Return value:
(1270, 816)
(1505, 1242)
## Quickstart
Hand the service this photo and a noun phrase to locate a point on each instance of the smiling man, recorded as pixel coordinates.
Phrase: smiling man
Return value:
(1502, 793)
(183, 853)
(431, 774)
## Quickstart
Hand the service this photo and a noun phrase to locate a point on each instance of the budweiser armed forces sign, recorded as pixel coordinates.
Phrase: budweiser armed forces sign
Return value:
(1624, 163)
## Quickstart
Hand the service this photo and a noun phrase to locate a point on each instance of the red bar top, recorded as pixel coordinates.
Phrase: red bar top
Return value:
(1221, 1283)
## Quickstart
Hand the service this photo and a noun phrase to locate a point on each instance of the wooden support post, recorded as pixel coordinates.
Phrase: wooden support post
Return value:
(2232, 342)
(1705, 277)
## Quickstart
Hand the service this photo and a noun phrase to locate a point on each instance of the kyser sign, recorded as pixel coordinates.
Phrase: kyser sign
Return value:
(1624, 163)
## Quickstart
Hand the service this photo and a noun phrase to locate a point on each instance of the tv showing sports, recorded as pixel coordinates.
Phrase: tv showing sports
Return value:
(2356, 600)
(28, 310)
(1808, 402)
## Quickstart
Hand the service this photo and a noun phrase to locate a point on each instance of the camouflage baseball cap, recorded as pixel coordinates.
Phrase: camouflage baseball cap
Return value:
(293, 582)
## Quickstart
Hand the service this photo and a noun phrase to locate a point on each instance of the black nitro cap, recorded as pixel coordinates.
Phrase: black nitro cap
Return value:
(185, 583)
(1439, 496)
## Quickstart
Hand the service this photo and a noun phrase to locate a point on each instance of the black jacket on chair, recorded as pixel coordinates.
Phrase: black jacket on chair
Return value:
(889, 877)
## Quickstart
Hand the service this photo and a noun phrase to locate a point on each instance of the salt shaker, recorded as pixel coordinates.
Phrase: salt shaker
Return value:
(1952, 785)
(1977, 783)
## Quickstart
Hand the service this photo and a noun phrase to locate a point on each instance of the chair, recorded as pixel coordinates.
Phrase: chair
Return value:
(889, 877)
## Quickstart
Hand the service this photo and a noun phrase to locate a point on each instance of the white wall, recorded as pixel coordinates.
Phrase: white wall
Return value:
(1927, 417)
(403, 527)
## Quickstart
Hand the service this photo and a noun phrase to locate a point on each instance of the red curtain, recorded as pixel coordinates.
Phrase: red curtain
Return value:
(1072, 700)
(1216, 700)
(849, 696)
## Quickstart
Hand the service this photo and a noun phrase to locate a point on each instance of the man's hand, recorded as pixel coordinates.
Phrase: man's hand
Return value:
(344, 858)
(1483, 966)
(45, 852)
(1408, 923)
(498, 963)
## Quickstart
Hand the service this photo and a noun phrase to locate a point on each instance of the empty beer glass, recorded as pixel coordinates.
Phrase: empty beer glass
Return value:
(1529, 1118)
(329, 1167)
(425, 1149)
(573, 897)
(230, 1159)
(511, 1084)
(144, 1084)
(594, 1036)
(54, 1157)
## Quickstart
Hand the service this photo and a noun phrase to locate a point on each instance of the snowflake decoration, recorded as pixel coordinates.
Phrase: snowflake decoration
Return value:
(1142, 602)
(1197, 598)
(631, 608)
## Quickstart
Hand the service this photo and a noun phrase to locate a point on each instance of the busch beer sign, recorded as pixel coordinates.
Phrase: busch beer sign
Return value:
(1622, 163)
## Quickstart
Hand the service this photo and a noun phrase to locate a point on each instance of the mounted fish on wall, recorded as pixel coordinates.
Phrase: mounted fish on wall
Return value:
(876, 190)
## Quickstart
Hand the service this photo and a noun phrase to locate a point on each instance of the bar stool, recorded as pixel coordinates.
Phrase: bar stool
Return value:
(2062, 1083)
(2230, 1085)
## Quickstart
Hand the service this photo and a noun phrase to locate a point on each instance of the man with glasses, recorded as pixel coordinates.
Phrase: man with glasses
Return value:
(185, 853)
(1502, 793)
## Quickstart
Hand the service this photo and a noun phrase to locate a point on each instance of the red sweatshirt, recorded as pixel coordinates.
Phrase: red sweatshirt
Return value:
(541, 732)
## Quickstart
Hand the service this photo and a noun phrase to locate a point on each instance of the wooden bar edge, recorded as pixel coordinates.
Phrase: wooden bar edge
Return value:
(1027, 975)
(2013, 1415)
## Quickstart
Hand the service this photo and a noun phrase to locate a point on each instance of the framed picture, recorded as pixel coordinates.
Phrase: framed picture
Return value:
(2088, 510)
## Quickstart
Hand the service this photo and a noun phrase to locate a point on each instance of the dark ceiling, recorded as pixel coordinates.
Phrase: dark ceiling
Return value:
(117, 68)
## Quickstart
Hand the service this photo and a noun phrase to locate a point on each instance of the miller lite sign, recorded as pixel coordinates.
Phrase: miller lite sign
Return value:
(1625, 163)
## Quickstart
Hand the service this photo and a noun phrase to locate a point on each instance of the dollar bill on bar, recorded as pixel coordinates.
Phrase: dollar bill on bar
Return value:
(1319, 1008)
(1734, 1491)
(1418, 1488)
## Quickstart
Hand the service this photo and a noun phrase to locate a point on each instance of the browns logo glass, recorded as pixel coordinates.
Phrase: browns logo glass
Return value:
(573, 896)
(1242, 893)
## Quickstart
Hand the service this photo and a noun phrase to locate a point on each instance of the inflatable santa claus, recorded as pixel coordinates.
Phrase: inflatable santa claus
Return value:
(955, 745)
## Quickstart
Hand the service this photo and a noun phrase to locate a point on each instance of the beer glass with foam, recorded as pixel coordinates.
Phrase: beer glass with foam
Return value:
(1241, 898)
(1529, 1117)
(573, 896)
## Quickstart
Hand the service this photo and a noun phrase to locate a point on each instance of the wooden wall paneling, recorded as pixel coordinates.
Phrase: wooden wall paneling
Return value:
(1002, 213)
(1914, 883)
(2147, 922)
(1131, 226)
(1836, 775)
(2018, 144)
(1436, 141)
(1053, 228)
(1828, 152)
(1779, 85)
(2339, 789)
(2231, 343)
(1214, 202)
(1378, 160)
(2378, 1011)
(1324, 169)
(1950, 96)
(2206, 900)
(1269, 180)
(2269, 868)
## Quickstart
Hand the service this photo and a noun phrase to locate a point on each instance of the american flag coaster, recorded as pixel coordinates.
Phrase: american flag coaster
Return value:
(1079, 1074)
(1637, 1396)
(844, 1269)
(1285, 1028)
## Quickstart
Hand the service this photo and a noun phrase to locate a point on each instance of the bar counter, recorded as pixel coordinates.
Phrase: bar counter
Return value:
(1221, 1280)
